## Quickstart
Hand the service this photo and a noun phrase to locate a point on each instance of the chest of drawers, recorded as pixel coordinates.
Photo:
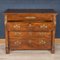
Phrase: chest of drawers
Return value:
(30, 29)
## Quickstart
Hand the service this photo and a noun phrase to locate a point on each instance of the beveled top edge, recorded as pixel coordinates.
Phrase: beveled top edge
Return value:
(30, 11)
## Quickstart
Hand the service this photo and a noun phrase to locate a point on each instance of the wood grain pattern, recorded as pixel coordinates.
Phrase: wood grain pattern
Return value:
(43, 26)
(30, 35)
(17, 26)
(6, 36)
(22, 44)
(30, 31)
(22, 16)
(32, 26)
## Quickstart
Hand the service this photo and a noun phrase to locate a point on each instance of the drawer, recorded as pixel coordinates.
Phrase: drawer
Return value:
(29, 16)
(25, 26)
(30, 44)
(17, 26)
(29, 35)
(21, 35)
(16, 44)
(43, 26)
(39, 43)
(40, 35)
(14, 16)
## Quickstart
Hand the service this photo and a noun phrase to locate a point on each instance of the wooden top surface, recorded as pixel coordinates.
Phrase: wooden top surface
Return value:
(30, 11)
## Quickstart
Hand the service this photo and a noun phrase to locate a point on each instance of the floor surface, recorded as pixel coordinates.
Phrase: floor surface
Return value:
(30, 55)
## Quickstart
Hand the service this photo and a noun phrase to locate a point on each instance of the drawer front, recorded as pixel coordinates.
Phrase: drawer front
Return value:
(24, 26)
(30, 35)
(39, 43)
(14, 16)
(29, 16)
(30, 44)
(16, 44)
(17, 26)
(40, 35)
(42, 26)
(21, 35)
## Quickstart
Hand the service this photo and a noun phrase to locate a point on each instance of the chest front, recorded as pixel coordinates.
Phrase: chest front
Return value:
(30, 31)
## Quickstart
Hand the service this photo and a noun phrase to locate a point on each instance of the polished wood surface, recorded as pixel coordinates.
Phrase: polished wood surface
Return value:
(30, 29)
(41, 43)
(30, 35)
(29, 16)
(32, 26)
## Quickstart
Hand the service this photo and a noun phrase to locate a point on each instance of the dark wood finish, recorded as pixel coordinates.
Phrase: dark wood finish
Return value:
(30, 29)
(30, 11)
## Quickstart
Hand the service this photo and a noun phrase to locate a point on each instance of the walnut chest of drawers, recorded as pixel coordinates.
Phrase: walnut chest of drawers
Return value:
(30, 29)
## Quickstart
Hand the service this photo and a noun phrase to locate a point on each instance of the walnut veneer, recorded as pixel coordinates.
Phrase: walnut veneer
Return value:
(30, 29)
